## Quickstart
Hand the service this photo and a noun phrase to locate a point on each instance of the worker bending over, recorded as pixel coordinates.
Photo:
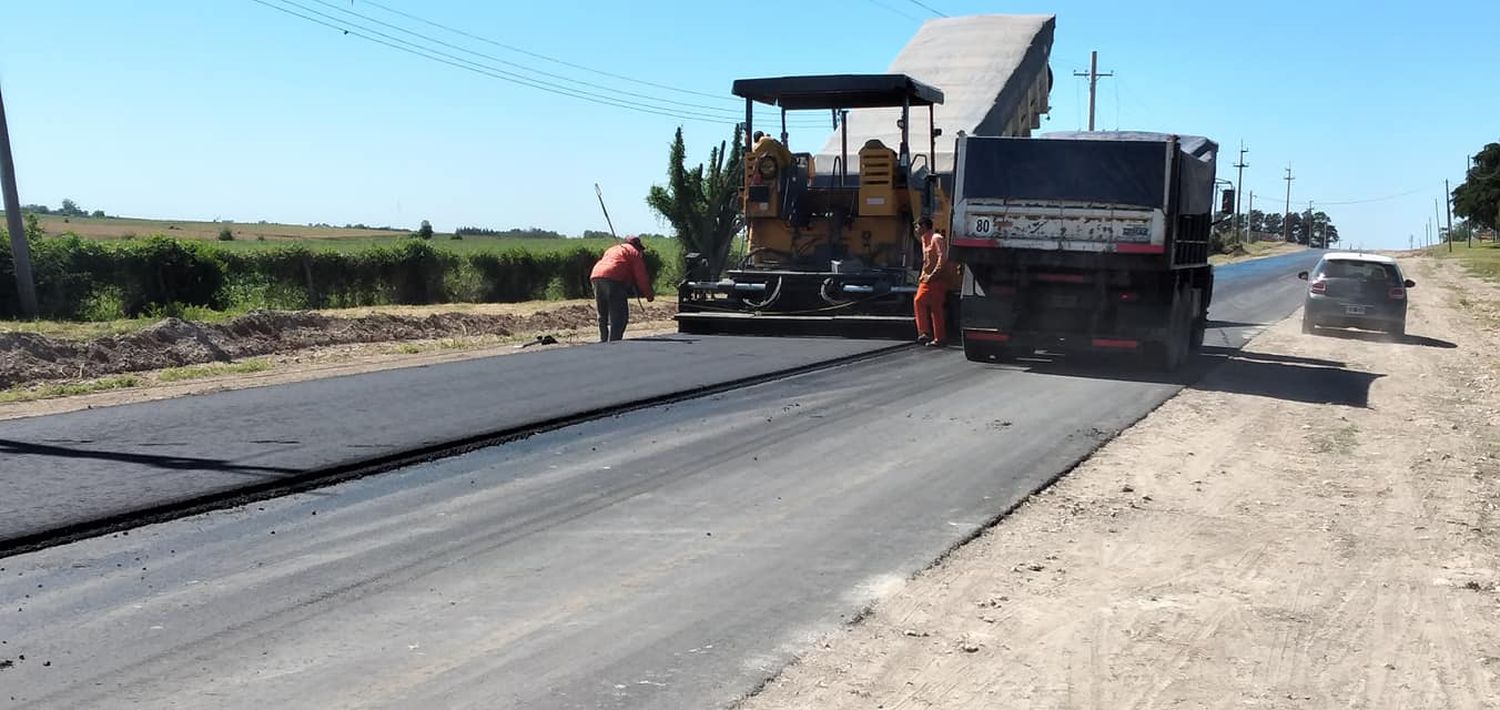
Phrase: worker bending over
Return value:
(622, 267)
(932, 286)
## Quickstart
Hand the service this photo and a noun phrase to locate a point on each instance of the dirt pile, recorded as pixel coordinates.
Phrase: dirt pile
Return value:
(28, 357)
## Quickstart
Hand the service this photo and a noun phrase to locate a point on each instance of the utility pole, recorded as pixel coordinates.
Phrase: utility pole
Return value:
(1309, 227)
(1286, 216)
(20, 252)
(1448, 202)
(1249, 207)
(1239, 183)
(1437, 221)
(1094, 77)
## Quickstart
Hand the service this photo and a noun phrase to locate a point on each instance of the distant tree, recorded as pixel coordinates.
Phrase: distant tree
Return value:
(98, 214)
(1478, 197)
(596, 234)
(39, 209)
(1257, 222)
(70, 209)
(1330, 232)
(226, 234)
(425, 231)
(1272, 223)
(701, 203)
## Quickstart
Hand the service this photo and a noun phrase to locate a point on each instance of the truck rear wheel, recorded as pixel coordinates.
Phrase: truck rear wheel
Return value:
(1168, 354)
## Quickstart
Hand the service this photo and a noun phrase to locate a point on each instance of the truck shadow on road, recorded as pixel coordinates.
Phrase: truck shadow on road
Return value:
(1219, 369)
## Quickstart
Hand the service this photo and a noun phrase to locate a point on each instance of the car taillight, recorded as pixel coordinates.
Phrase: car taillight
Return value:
(1129, 297)
(1398, 293)
(1317, 287)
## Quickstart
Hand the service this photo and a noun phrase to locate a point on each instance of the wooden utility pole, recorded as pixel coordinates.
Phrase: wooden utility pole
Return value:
(1094, 77)
(1286, 216)
(1448, 201)
(1249, 207)
(1437, 221)
(1238, 195)
(20, 253)
(1309, 226)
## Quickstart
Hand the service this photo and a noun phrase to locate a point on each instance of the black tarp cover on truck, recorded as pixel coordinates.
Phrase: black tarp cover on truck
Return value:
(1104, 168)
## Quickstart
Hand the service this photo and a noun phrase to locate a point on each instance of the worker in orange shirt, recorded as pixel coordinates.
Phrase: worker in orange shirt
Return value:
(932, 286)
(622, 267)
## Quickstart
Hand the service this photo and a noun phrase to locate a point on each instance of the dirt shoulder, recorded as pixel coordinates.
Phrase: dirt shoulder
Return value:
(47, 375)
(1313, 525)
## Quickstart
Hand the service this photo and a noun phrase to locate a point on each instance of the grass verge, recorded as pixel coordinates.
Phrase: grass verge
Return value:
(1482, 259)
(68, 389)
(216, 369)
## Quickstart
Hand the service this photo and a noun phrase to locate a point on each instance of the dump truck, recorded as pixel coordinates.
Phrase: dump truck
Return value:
(1084, 241)
(830, 244)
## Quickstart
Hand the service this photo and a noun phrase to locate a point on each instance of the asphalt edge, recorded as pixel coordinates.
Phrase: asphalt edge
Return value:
(361, 468)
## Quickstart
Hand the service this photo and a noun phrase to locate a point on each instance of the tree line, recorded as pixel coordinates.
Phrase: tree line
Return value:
(1477, 199)
(1294, 227)
(69, 208)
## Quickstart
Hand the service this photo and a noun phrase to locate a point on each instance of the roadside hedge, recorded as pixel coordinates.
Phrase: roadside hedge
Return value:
(79, 279)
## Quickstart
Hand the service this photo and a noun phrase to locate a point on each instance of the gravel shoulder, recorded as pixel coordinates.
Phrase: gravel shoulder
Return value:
(1312, 525)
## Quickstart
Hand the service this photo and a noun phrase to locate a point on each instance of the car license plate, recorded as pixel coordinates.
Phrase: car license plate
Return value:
(1354, 310)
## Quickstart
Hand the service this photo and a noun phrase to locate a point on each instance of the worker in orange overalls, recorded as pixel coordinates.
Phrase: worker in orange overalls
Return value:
(932, 286)
(622, 267)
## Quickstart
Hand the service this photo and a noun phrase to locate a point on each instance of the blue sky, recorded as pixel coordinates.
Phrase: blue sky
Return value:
(229, 109)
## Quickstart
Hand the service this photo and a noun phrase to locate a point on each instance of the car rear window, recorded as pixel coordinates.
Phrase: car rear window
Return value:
(1359, 271)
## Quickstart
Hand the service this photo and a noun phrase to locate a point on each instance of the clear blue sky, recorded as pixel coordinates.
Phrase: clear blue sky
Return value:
(229, 109)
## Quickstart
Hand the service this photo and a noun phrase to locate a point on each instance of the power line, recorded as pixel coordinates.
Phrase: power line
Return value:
(561, 62)
(467, 65)
(1373, 199)
(1365, 201)
(694, 109)
(926, 7)
(536, 55)
(889, 8)
(506, 62)
(693, 113)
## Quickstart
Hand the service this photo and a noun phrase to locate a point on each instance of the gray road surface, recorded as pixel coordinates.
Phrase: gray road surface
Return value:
(69, 468)
(672, 558)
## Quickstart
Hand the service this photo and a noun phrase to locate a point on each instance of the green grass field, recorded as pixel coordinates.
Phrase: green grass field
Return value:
(1482, 260)
(129, 227)
(263, 235)
(108, 319)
